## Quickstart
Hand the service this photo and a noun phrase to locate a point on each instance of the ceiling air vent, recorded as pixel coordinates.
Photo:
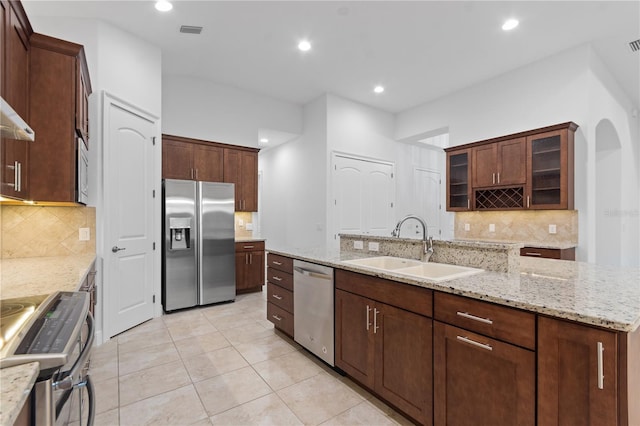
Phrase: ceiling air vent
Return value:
(189, 29)
(634, 45)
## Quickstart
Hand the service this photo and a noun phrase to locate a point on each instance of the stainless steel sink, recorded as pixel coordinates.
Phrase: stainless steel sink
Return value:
(432, 271)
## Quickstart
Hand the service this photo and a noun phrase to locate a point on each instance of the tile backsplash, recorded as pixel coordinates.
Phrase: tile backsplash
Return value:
(519, 226)
(38, 231)
(242, 219)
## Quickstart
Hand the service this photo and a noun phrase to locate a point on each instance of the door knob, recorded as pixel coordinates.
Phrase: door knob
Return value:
(116, 249)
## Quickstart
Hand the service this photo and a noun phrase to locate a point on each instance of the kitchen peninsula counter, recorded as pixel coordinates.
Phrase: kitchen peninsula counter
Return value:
(16, 386)
(603, 296)
(32, 276)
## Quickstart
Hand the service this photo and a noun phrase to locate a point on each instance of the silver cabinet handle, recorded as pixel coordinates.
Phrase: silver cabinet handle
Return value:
(600, 350)
(473, 317)
(494, 178)
(468, 204)
(248, 247)
(368, 322)
(277, 263)
(533, 254)
(116, 249)
(528, 203)
(375, 320)
(474, 343)
(277, 318)
(19, 177)
(498, 177)
(275, 296)
(276, 278)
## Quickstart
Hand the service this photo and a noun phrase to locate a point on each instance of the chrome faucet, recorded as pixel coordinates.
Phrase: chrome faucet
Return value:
(426, 242)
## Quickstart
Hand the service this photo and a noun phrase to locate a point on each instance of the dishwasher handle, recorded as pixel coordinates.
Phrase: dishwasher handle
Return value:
(312, 274)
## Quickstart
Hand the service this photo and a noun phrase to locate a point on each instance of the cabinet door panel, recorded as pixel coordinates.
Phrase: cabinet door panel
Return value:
(480, 378)
(242, 259)
(459, 180)
(354, 343)
(568, 391)
(484, 166)
(403, 361)
(207, 162)
(177, 160)
(513, 162)
(249, 167)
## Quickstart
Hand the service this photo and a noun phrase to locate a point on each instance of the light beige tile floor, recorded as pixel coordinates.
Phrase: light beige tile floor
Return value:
(223, 365)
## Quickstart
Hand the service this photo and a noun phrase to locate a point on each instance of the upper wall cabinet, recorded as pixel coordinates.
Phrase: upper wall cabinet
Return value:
(184, 158)
(527, 170)
(60, 87)
(14, 87)
(194, 159)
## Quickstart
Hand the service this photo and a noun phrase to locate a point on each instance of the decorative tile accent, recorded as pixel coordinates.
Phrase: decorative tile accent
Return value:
(526, 226)
(39, 231)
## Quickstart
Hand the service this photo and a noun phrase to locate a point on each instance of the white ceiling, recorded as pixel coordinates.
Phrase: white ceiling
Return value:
(419, 50)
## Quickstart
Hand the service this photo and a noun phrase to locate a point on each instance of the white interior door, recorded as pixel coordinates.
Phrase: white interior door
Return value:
(364, 196)
(426, 195)
(130, 216)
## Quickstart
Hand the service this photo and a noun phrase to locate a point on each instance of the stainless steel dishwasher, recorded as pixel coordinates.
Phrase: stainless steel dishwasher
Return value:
(313, 309)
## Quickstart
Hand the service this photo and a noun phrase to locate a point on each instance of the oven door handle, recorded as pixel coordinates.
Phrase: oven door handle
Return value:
(66, 379)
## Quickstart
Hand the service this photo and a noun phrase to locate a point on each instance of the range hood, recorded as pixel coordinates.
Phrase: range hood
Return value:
(12, 125)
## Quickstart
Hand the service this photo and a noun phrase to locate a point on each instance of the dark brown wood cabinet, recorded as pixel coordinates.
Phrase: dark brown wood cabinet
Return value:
(241, 169)
(190, 159)
(384, 340)
(60, 85)
(501, 163)
(14, 154)
(250, 266)
(459, 180)
(527, 170)
(549, 253)
(280, 292)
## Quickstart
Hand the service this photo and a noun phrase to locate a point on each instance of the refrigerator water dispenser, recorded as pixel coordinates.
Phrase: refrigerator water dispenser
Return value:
(180, 229)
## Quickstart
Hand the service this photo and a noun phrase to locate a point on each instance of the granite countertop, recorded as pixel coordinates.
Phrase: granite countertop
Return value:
(597, 295)
(16, 383)
(43, 275)
(249, 239)
(532, 244)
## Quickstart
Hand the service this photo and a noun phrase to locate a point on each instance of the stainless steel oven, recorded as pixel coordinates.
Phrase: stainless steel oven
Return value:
(57, 331)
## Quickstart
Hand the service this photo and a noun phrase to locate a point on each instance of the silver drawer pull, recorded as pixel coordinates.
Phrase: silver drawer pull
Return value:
(600, 365)
(533, 254)
(474, 343)
(248, 247)
(276, 263)
(277, 278)
(275, 296)
(473, 317)
(277, 318)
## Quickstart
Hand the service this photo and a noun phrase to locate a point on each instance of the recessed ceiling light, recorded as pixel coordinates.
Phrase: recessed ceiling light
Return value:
(510, 24)
(378, 89)
(264, 140)
(163, 6)
(304, 45)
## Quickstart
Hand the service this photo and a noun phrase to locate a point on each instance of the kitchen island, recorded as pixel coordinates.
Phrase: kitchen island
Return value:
(562, 328)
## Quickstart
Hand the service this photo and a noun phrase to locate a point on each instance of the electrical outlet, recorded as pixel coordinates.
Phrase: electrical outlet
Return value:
(467, 227)
(552, 229)
(358, 245)
(240, 222)
(249, 226)
(84, 234)
(374, 246)
(492, 227)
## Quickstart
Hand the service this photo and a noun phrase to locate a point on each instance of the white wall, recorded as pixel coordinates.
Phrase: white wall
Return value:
(570, 86)
(202, 109)
(124, 66)
(294, 184)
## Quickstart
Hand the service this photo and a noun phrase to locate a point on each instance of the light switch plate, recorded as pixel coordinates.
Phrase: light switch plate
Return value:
(374, 246)
(359, 245)
(492, 227)
(467, 227)
(552, 229)
(84, 234)
(249, 226)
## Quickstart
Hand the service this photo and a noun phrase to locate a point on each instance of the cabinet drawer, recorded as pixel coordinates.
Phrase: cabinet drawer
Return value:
(405, 296)
(507, 324)
(280, 278)
(281, 263)
(280, 297)
(249, 246)
(564, 254)
(282, 319)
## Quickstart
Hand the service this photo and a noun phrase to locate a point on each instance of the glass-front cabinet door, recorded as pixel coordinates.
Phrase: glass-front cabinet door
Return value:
(550, 157)
(458, 180)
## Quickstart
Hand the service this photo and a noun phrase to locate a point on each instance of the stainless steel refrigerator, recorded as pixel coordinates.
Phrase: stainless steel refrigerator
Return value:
(198, 258)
